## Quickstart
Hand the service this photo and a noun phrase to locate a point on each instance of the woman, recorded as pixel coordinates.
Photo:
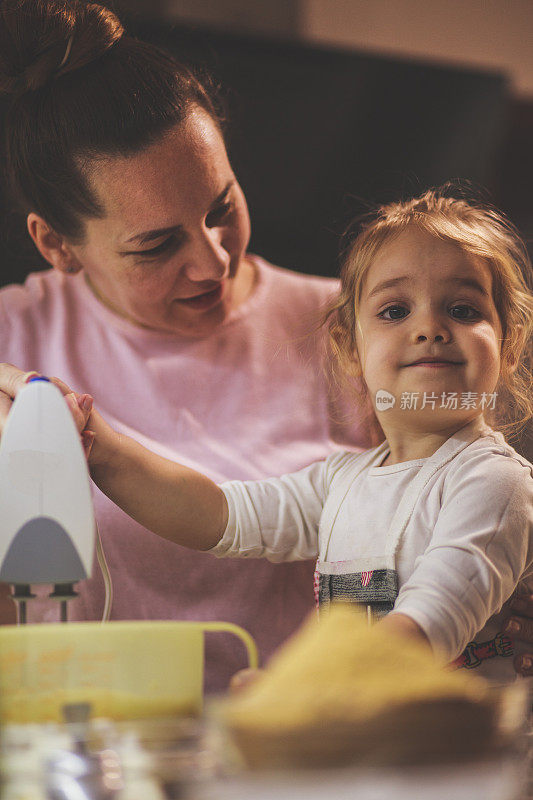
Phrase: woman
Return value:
(204, 353)
(116, 157)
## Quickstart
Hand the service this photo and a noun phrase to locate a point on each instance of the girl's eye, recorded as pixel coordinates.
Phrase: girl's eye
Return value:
(218, 215)
(463, 312)
(393, 312)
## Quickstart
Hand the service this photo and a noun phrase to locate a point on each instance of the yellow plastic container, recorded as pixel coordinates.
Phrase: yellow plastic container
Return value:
(125, 670)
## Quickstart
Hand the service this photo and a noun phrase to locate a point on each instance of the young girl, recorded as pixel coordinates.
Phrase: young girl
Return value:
(434, 525)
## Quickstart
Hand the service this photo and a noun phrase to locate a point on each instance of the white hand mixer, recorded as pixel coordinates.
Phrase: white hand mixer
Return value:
(47, 525)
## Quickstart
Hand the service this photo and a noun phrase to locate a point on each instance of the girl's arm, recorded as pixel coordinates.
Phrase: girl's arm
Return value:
(171, 500)
(480, 547)
(274, 518)
(402, 625)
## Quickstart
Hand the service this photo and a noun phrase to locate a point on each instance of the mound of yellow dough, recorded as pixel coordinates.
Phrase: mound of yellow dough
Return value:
(339, 688)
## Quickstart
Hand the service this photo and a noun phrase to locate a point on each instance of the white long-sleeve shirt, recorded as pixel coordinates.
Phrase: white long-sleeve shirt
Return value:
(467, 543)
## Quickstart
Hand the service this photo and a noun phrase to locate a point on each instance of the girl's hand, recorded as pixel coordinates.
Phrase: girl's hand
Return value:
(13, 379)
(520, 626)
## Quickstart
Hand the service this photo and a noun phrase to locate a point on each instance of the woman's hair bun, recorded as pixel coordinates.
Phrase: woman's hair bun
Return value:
(42, 39)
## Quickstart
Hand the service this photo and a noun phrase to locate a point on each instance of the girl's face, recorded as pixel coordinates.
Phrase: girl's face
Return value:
(169, 254)
(429, 332)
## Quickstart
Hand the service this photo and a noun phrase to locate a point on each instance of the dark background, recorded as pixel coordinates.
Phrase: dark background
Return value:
(317, 136)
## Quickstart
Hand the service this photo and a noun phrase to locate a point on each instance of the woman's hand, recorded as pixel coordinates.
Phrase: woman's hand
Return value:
(243, 679)
(520, 626)
(13, 379)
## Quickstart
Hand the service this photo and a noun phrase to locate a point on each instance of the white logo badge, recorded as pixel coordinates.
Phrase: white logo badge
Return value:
(384, 400)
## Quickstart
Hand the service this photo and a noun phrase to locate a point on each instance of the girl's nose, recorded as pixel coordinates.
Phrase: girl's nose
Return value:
(431, 328)
(208, 260)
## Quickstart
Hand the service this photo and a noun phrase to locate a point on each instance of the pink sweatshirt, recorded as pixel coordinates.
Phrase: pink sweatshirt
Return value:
(246, 402)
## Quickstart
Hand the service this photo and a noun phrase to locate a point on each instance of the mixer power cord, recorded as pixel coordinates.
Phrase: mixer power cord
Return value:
(106, 575)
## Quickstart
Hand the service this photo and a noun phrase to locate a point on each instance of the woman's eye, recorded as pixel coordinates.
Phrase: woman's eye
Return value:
(393, 312)
(168, 244)
(463, 312)
(218, 215)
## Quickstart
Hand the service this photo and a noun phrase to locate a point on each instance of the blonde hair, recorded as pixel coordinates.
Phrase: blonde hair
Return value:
(479, 230)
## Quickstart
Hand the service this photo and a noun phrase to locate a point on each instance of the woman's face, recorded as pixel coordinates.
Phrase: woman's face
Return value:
(169, 254)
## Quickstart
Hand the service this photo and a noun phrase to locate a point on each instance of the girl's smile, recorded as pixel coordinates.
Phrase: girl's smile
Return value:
(435, 363)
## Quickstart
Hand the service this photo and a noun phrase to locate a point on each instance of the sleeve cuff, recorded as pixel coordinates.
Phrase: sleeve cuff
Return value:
(224, 545)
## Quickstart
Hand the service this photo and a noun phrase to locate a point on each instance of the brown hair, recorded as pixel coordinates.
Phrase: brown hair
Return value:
(81, 89)
(479, 230)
